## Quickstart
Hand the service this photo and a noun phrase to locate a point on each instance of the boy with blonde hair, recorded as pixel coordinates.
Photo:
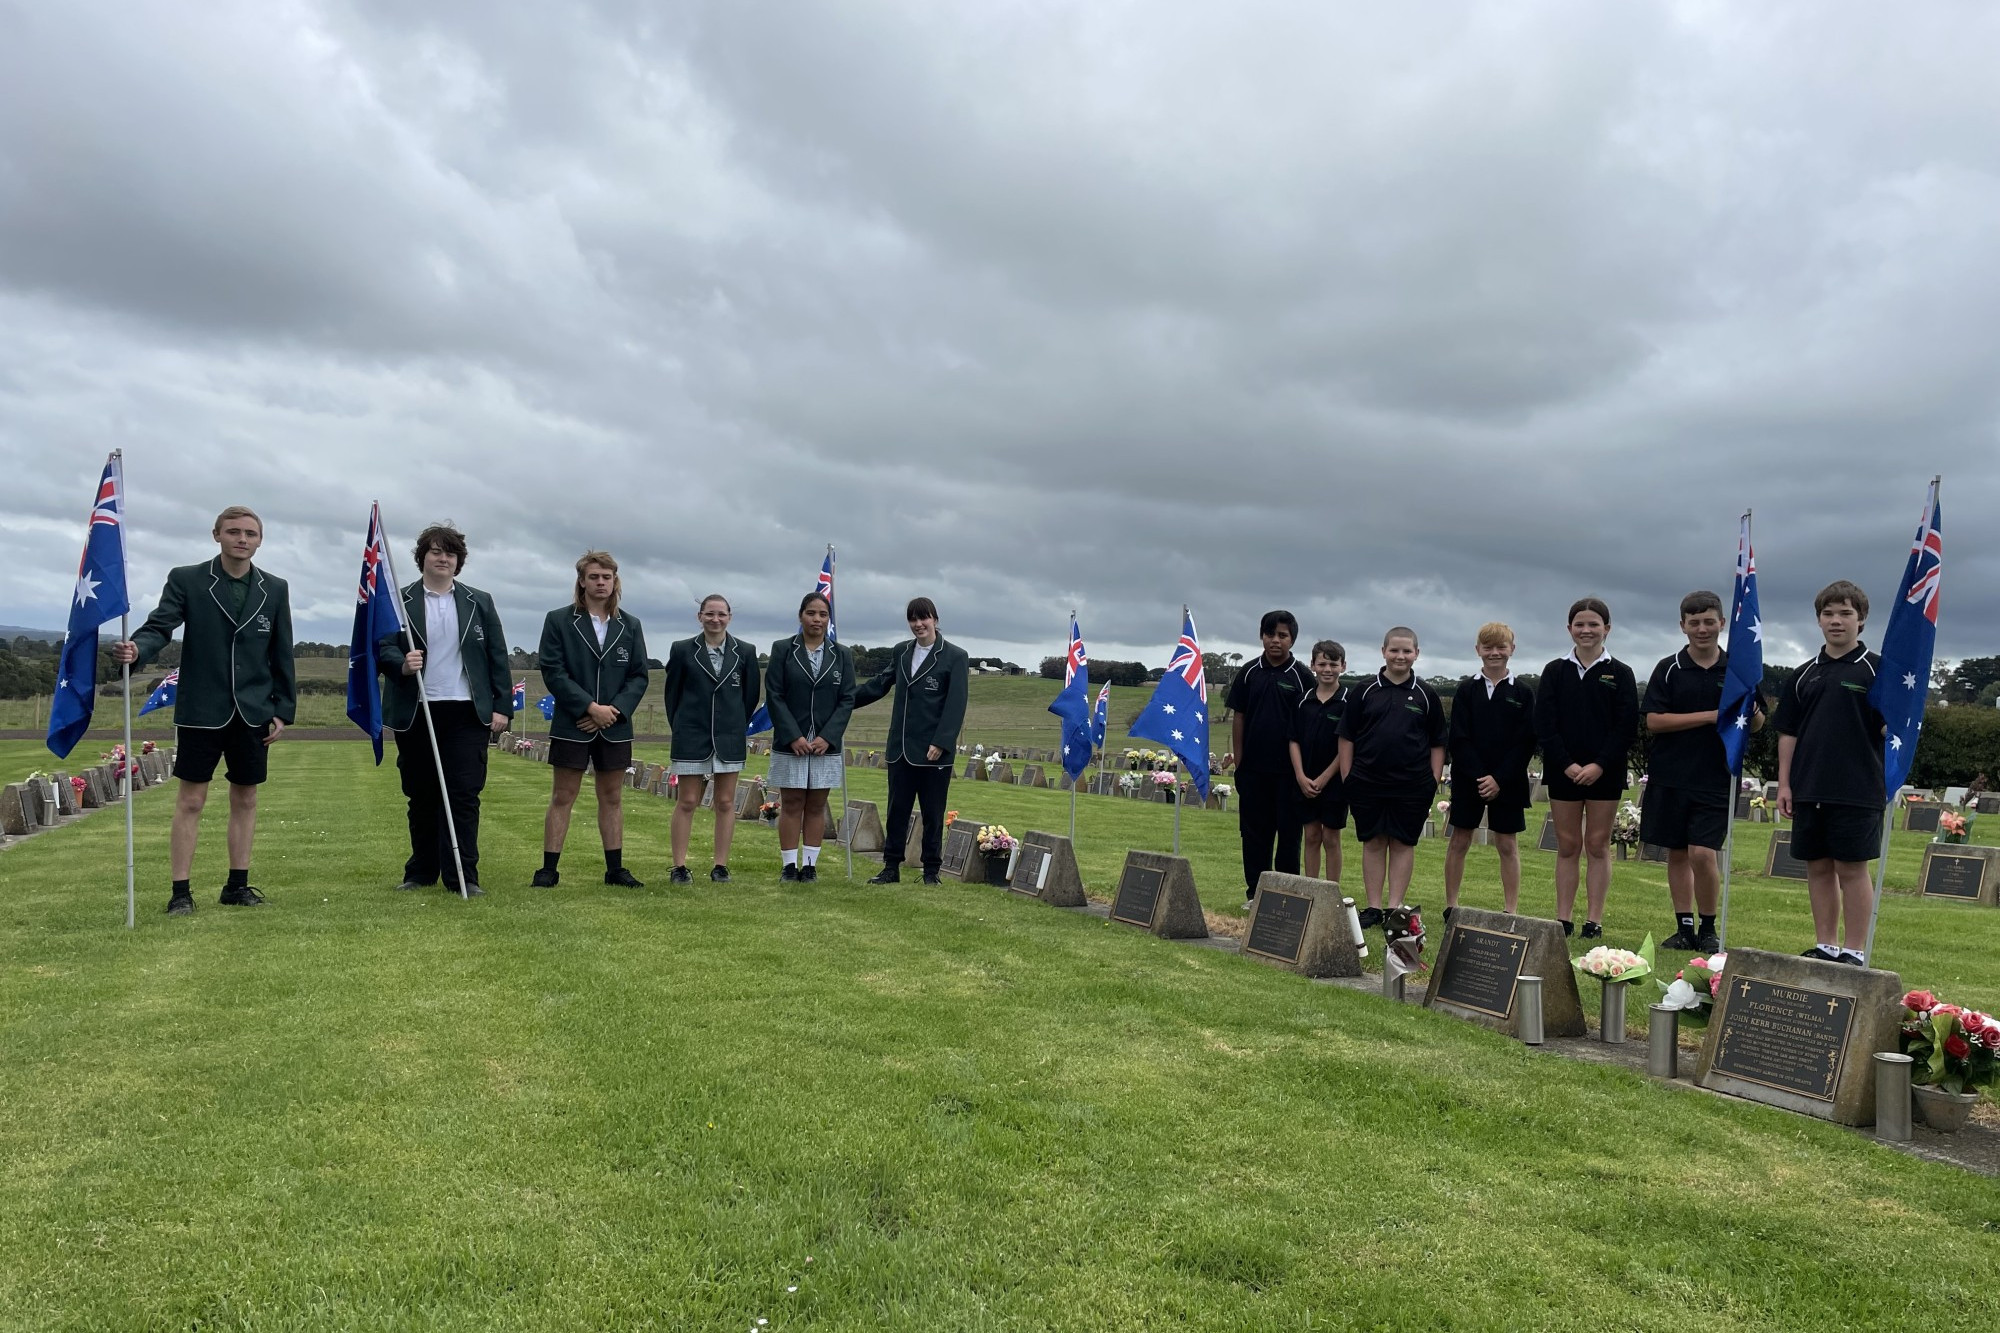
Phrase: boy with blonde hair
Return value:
(1391, 754)
(1492, 740)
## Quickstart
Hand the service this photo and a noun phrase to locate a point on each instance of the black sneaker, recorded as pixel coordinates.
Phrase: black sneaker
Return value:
(410, 885)
(680, 875)
(1822, 953)
(621, 878)
(1708, 943)
(181, 904)
(1681, 942)
(1851, 958)
(808, 874)
(241, 896)
(471, 891)
(887, 875)
(789, 874)
(1447, 914)
(931, 877)
(1371, 917)
(1592, 931)
(545, 879)
(718, 874)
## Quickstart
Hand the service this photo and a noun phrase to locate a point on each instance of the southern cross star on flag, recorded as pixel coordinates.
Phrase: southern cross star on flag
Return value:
(1100, 717)
(1072, 705)
(99, 596)
(1745, 669)
(1177, 714)
(164, 693)
(1904, 680)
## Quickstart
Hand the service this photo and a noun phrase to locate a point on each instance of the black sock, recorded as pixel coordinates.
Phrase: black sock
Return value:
(1569, 927)
(181, 889)
(238, 879)
(1708, 925)
(1685, 920)
(614, 860)
(549, 860)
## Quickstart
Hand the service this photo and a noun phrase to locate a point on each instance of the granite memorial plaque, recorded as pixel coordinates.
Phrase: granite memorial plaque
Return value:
(1033, 776)
(1743, 799)
(1490, 973)
(1485, 969)
(961, 850)
(1300, 923)
(861, 828)
(1922, 818)
(1547, 842)
(1779, 863)
(1277, 928)
(1964, 871)
(1138, 899)
(1784, 1037)
(1157, 891)
(1987, 803)
(975, 771)
(1046, 869)
(1031, 870)
(1001, 772)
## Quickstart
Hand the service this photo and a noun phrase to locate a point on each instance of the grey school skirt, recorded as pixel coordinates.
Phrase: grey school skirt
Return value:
(818, 772)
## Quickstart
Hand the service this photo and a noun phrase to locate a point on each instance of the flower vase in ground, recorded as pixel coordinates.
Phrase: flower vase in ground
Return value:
(1943, 1110)
(1952, 1054)
(996, 847)
(996, 867)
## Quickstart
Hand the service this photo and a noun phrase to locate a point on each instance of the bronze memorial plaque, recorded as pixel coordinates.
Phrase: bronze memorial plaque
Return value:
(1481, 970)
(1780, 863)
(1138, 896)
(1922, 818)
(961, 840)
(1784, 1037)
(1031, 869)
(1953, 875)
(1279, 930)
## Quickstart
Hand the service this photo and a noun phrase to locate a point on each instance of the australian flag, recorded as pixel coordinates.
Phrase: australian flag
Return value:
(1102, 716)
(761, 719)
(1745, 669)
(163, 693)
(825, 589)
(547, 705)
(99, 596)
(1904, 680)
(520, 695)
(376, 617)
(1177, 714)
(1072, 705)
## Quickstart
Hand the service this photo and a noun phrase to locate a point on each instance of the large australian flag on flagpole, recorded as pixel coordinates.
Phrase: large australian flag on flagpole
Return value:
(825, 588)
(1745, 669)
(99, 596)
(1177, 714)
(1904, 680)
(375, 618)
(1072, 705)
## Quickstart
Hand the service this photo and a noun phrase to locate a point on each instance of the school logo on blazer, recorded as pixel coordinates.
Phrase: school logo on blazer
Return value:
(624, 655)
(931, 684)
(264, 624)
(1611, 681)
(834, 675)
(736, 678)
(479, 632)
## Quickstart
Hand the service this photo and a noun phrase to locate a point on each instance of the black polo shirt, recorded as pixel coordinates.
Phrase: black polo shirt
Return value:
(1692, 760)
(1837, 758)
(1394, 729)
(1265, 696)
(1316, 729)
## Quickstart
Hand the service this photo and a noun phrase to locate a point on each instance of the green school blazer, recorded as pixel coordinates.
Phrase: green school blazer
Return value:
(709, 711)
(801, 703)
(929, 708)
(579, 673)
(228, 666)
(481, 646)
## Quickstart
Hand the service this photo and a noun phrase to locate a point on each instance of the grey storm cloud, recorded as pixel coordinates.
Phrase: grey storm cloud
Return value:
(1434, 315)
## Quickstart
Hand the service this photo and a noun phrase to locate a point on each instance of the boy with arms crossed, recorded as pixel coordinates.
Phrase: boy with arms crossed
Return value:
(1316, 758)
(1492, 739)
(237, 692)
(1830, 779)
(1261, 701)
(1391, 756)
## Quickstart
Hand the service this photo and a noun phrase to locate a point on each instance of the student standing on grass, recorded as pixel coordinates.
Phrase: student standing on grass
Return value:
(1492, 740)
(712, 689)
(1586, 718)
(1315, 751)
(593, 660)
(809, 688)
(238, 692)
(930, 678)
(1261, 701)
(1690, 792)
(466, 681)
(1830, 779)
(1391, 756)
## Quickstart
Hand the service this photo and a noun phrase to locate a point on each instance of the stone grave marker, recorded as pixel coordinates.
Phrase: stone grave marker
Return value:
(16, 806)
(1538, 795)
(1301, 924)
(1547, 842)
(1771, 791)
(65, 795)
(1045, 868)
(913, 841)
(1485, 954)
(1779, 863)
(961, 858)
(1922, 818)
(1033, 776)
(861, 827)
(1963, 871)
(1801, 1034)
(1743, 799)
(749, 794)
(1988, 803)
(1156, 892)
(42, 799)
(1954, 796)
(93, 789)
(975, 771)
(1001, 772)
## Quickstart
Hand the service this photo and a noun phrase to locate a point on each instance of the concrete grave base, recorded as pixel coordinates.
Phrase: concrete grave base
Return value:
(1328, 947)
(1063, 886)
(1547, 958)
(1177, 915)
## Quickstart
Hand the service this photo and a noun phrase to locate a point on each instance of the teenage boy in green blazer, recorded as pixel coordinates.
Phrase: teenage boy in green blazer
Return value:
(593, 660)
(712, 689)
(930, 678)
(237, 691)
(466, 684)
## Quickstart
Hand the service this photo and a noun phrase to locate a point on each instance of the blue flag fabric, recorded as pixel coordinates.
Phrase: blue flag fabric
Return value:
(761, 719)
(376, 616)
(547, 704)
(163, 694)
(1903, 683)
(99, 596)
(1177, 714)
(1745, 670)
(1072, 705)
(825, 587)
(520, 695)
(1101, 717)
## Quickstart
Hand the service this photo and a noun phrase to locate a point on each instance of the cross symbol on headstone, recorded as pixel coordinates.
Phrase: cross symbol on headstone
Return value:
(1744, 988)
(1831, 1005)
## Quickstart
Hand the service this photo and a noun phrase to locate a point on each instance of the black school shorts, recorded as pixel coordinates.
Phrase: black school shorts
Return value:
(1823, 831)
(197, 750)
(1398, 818)
(603, 755)
(1610, 787)
(1674, 818)
(1502, 815)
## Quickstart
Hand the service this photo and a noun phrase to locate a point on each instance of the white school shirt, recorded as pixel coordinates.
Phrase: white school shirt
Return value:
(1508, 679)
(444, 669)
(917, 656)
(600, 624)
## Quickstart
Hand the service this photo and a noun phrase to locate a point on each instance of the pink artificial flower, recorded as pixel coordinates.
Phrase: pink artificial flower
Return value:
(1920, 1000)
(1957, 1047)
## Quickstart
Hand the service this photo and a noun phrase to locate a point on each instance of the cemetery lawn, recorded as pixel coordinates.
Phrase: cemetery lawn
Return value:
(842, 1107)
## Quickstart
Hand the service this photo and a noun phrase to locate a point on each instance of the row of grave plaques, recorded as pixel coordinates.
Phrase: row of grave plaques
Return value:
(44, 802)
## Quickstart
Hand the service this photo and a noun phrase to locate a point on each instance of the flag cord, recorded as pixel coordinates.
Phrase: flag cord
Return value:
(430, 725)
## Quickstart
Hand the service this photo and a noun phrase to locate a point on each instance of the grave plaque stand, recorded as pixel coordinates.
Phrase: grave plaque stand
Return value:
(1547, 841)
(1965, 872)
(1301, 924)
(1045, 868)
(1033, 776)
(1779, 863)
(14, 807)
(1156, 892)
(962, 859)
(1801, 1034)
(861, 828)
(1484, 955)
(1921, 818)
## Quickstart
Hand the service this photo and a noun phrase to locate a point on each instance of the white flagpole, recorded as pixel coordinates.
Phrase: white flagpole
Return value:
(1735, 785)
(125, 671)
(424, 699)
(846, 844)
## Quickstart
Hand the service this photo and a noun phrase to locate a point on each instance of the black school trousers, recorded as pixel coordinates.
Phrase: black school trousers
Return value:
(463, 740)
(1270, 813)
(910, 784)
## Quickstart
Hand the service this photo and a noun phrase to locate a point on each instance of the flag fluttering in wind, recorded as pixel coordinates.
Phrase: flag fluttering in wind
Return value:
(1904, 681)
(99, 596)
(375, 618)
(1072, 705)
(1177, 714)
(1745, 669)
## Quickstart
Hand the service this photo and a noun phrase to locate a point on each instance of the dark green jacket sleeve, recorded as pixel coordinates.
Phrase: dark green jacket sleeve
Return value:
(835, 730)
(284, 674)
(753, 682)
(633, 691)
(158, 631)
(498, 673)
(572, 700)
(878, 686)
(951, 717)
(785, 726)
(676, 671)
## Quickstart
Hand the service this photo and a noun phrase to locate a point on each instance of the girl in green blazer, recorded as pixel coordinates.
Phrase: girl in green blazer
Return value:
(712, 689)
(809, 687)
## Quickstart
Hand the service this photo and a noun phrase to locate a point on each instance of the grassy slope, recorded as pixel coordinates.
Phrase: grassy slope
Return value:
(586, 1109)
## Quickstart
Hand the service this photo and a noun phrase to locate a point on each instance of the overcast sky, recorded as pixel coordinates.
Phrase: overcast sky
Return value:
(1429, 314)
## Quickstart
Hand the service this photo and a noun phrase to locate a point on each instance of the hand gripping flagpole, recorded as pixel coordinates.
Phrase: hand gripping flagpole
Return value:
(1735, 785)
(424, 699)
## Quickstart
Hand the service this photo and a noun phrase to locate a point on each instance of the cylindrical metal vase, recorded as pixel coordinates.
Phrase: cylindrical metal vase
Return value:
(1663, 1047)
(1611, 1013)
(1392, 984)
(1528, 1010)
(1892, 1096)
(1354, 928)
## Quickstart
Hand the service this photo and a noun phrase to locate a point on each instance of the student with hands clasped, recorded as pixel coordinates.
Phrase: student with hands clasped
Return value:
(712, 689)
(810, 689)
(1391, 756)
(1492, 740)
(1315, 751)
(1586, 717)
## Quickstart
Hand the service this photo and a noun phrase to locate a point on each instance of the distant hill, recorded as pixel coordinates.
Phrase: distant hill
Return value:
(11, 632)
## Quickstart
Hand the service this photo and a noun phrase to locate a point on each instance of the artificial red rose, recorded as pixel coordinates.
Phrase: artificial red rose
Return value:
(1950, 1010)
(1919, 1000)
(1957, 1047)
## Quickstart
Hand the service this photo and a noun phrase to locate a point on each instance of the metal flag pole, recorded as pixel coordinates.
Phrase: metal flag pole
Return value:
(846, 843)
(424, 699)
(125, 673)
(1729, 839)
(1065, 748)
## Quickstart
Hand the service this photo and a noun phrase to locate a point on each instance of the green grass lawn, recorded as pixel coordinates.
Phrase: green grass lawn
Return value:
(854, 1108)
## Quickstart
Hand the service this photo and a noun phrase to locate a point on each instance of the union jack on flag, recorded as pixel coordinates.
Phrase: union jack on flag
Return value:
(164, 693)
(1186, 661)
(824, 587)
(1072, 705)
(378, 614)
(1177, 714)
(1902, 682)
(99, 595)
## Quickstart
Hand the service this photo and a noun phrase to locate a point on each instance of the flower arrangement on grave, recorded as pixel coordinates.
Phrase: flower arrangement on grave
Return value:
(1128, 782)
(1162, 778)
(1609, 964)
(37, 776)
(1625, 828)
(1953, 1048)
(1444, 809)
(993, 761)
(950, 817)
(1694, 987)
(146, 747)
(1220, 789)
(768, 812)
(1750, 784)
(1953, 826)
(77, 785)
(995, 840)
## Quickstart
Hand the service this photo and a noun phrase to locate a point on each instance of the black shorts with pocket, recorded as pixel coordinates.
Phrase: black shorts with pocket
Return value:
(1824, 831)
(1674, 818)
(197, 750)
(1328, 808)
(1502, 815)
(603, 755)
(1398, 818)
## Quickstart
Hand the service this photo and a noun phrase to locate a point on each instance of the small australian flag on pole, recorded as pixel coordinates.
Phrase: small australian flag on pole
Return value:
(1101, 717)
(1177, 714)
(1745, 669)
(99, 596)
(1904, 680)
(1072, 705)
(164, 693)
(825, 588)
